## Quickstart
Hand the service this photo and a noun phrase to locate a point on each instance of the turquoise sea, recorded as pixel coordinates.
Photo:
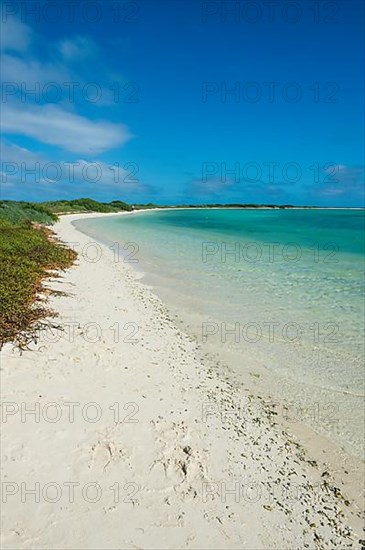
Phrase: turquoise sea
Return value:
(277, 295)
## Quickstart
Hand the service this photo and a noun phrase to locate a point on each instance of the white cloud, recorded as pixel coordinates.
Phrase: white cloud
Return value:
(53, 79)
(53, 125)
(22, 167)
(77, 48)
(13, 158)
(14, 35)
(29, 74)
(342, 180)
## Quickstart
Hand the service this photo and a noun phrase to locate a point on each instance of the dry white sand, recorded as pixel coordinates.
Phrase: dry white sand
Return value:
(129, 444)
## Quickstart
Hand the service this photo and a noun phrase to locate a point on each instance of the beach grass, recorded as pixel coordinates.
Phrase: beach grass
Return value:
(46, 212)
(28, 254)
(17, 212)
(85, 205)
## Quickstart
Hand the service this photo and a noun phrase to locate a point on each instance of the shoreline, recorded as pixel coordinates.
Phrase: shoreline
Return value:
(314, 405)
(182, 453)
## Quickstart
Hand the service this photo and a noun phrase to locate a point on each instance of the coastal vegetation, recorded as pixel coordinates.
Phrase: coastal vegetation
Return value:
(85, 205)
(29, 253)
(19, 212)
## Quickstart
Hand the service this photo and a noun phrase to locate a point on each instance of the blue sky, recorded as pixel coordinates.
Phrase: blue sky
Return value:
(183, 101)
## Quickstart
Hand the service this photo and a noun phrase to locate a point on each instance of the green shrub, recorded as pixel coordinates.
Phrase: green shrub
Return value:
(27, 254)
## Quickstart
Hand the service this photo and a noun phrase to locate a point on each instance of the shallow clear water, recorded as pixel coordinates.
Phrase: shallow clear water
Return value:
(280, 290)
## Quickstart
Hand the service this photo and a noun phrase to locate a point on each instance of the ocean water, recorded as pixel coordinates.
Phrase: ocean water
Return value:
(277, 295)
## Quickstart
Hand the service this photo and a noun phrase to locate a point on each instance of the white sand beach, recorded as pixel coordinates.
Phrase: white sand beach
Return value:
(116, 435)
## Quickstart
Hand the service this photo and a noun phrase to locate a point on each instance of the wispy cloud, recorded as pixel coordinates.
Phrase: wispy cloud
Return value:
(22, 169)
(22, 74)
(341, 180)
(77, 48)
(56, 123)
(14, 35)
(53, 125)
